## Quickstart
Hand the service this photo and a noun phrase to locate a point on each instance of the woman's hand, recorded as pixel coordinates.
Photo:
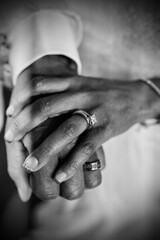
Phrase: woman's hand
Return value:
(117, 105)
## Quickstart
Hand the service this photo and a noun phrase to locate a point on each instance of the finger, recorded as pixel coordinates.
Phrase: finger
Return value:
(55, 143)
(74, 187)
(101, 157)
(42, 83)
(92, 178)
(42, 182)
(35, 86)
(80, 154)
(18, 93)
(44, 108)
(15, 157)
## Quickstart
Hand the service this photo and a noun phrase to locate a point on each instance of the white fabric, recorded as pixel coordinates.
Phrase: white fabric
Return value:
(128, 197)
(44, 33)
(1, 106)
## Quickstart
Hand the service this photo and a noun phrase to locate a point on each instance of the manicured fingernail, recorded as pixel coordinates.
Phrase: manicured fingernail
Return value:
(10, 111)
(21, 194)
(31, 163)
(24, 196)
(9, 136)
(61, 177)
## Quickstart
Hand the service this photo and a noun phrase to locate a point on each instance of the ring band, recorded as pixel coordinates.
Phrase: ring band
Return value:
(91, 119)
(92, 166)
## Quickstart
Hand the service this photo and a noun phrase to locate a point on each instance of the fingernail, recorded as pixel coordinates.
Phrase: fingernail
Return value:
(10, 111)
(61, 177)
(24, 196)
(31, 163)
(9, 136)
(21, 194)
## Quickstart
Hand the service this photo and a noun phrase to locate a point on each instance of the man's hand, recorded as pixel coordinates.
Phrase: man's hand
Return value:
(42, 181)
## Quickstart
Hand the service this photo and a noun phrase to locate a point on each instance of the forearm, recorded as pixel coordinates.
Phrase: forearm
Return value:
(143, 102)
(147, 100)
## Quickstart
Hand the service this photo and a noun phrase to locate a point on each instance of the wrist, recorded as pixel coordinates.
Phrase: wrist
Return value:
(44, 31)
(54, 65)
(147, 100)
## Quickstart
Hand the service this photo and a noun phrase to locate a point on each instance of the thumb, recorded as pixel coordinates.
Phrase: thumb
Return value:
(16, 154)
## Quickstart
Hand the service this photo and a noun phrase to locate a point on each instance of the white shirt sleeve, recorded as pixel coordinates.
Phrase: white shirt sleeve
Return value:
(46, 32)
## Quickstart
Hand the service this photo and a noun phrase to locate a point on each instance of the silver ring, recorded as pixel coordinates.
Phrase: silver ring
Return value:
(92, 166)
(91, 119)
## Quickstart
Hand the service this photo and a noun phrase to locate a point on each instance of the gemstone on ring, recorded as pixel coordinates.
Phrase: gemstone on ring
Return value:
(91, 119)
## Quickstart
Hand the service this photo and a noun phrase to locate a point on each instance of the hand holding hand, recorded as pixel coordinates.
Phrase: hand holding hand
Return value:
(42, 181)
(117, 105)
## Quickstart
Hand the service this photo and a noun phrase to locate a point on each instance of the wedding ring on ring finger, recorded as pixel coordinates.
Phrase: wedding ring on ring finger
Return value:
(90, 119)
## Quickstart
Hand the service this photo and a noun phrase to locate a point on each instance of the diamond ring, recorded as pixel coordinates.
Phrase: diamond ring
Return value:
(91, 119)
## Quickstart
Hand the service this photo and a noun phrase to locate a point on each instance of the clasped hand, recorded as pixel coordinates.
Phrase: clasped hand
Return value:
(117, 105)
(42, 182)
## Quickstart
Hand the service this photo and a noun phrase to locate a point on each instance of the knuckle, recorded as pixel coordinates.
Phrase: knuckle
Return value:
(18, 98)
(73, 195)
(47, 150)
(70, 130)
(44, 105)
(75, 165)
(46, 194)
(43, 187)
(16, 125)
(97, 182)
(88, 149)
(93, 183)
(38, 83)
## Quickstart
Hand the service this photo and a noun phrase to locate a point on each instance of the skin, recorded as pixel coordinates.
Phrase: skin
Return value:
(117, 106)
(42, 183)
(135, 30)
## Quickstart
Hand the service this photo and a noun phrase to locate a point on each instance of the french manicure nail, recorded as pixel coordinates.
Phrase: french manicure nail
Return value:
(61, 177)
(10, 111)
(21, 194)
(31, 163)
(24, 196)
(9, 136)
